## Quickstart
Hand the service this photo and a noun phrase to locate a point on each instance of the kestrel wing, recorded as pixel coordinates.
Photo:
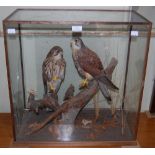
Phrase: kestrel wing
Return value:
(104, 79)
(62, 66)
(59, 72)
(47, 69)
(90, 62)
(63, 69)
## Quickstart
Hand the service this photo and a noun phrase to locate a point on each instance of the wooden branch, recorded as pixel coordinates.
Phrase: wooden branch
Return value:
(70, 108)
(109, 70)
(78, 101)
(69, 92)
(49, 101)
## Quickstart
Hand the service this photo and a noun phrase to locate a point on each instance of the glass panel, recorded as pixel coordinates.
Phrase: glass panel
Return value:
(135, 81)
(14, 56)
(70, 15)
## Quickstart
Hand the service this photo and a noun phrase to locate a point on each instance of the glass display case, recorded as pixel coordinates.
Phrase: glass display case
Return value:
(76, 77)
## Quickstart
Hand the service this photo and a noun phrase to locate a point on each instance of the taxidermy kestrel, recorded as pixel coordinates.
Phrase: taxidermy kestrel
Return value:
(89, 66)
(53, 70)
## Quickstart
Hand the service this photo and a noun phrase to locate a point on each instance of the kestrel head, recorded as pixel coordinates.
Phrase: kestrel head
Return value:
(77, 43)
(56, 51)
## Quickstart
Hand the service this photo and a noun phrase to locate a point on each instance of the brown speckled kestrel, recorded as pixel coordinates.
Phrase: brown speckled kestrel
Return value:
(89, 66)
(53, 70)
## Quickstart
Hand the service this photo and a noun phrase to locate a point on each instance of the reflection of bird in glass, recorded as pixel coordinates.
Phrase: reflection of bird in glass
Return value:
(53, 70)
(90, 66)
